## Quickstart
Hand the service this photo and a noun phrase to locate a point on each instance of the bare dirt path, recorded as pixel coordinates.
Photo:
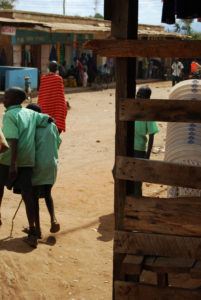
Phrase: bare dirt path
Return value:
(75, 263)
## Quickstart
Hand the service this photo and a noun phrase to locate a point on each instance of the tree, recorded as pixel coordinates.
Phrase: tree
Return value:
(184, 26)
(98, 16)
(7, 4)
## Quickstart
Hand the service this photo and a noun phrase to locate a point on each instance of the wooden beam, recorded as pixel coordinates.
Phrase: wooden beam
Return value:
(145, 48)
(134, 291)
(157, 245)
(108, 9)
(160, 110)
(164, 265)
(136, 169)
(196, 270)
(132, 264)
(122, 16)
(180, 216)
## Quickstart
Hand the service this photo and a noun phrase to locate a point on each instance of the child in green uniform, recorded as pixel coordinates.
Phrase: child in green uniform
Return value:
(142, 129)
(19, 127)
(45, 170)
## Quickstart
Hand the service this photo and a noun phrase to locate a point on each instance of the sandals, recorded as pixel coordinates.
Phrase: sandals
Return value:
(26, 230)
(31, 240)
(55, 227)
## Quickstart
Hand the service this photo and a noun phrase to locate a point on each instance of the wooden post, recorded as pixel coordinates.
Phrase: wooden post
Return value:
(124, 26)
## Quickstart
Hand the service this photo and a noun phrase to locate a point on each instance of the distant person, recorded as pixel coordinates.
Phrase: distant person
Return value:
(85, 78)
(92, 69)
(142, 145)
(145, 67)
(51, 97)
(63, 70)
(177, 68)
(195, 68)
(83, 60)
(80, 70)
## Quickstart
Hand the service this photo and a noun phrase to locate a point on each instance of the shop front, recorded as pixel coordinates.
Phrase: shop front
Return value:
(37, 48)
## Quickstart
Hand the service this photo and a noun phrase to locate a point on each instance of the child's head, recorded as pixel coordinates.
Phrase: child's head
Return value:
(14, 96)
(34, 107)
(144, 92)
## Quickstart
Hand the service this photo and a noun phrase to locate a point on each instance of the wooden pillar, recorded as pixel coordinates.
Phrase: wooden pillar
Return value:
(124, 26)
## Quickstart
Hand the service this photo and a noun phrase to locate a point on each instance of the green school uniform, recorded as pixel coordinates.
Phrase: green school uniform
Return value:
(47, 144)
(20, 123)
(142, 129)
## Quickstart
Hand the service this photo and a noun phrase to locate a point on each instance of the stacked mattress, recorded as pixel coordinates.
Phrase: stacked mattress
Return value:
(183, 140)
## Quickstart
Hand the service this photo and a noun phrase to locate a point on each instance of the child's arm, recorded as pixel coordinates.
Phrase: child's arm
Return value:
(42, 120)
(150, 144)
(3, 143)
(13, 167)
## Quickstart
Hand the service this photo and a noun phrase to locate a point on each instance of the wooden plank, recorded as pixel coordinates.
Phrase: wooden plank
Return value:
(163, 265)
(145, 48)
(108, 9)
(160, 110)
(162, 279)
(157, 245)
(134, 291)
(180, 216)
(136, 169)
(196, 270)
(132, 264)
(125, 87)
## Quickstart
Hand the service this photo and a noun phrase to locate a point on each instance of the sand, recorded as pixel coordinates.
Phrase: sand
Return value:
(75, 263)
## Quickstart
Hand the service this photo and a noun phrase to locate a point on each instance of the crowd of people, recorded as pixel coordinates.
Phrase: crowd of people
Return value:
(29, 155)
(83, 70)
(179, 73)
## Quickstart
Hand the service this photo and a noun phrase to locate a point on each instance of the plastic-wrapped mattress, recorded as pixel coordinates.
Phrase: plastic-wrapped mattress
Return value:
(183, 140)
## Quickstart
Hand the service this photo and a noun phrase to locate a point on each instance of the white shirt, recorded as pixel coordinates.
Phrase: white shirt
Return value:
(177, 68)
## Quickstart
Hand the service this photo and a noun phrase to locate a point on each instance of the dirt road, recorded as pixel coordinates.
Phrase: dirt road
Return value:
(75, 263)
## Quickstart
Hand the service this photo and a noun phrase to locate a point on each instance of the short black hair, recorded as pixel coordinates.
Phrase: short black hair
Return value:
(144, 92)
(17, 93)
(53, 66)
(34, 107)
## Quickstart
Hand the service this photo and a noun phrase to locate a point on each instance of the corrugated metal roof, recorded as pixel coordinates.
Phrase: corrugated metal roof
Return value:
(21, 23)
(81, 28)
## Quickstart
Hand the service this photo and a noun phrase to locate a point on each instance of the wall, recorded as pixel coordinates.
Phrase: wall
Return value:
(5, 43)
(14, 76)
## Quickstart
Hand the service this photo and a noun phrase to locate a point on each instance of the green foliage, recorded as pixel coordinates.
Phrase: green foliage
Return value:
(6, 4)
(196, 36)
(98, 16)
(184, 26)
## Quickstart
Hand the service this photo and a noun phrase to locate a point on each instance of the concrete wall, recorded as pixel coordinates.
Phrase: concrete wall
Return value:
(14, 76)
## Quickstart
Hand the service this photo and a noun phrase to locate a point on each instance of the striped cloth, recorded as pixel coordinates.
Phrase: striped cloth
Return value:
(51, 99)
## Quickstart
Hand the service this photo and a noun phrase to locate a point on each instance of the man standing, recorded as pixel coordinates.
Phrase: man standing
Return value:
(51, 97)
(177, 68)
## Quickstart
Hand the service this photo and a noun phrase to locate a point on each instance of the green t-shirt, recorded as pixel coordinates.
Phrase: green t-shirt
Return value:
(142, 129)
(20, 123)
(47, 144)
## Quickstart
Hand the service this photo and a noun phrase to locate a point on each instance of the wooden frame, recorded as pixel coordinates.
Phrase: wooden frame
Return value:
(168, 230)
(145, 48)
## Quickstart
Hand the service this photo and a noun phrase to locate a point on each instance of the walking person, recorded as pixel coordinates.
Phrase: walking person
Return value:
(51, 98)
(177, 68)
